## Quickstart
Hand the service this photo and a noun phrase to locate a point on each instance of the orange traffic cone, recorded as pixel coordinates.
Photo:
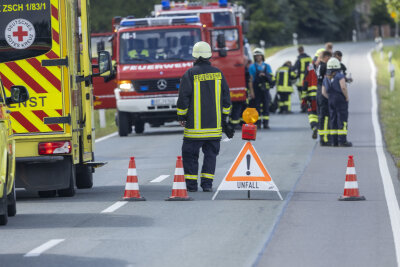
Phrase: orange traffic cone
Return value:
(179, 192)
(351, 186)
(132, 187)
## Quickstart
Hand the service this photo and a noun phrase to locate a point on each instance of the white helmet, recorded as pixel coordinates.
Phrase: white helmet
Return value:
(333, 64)
(201, 49)
(258, 51)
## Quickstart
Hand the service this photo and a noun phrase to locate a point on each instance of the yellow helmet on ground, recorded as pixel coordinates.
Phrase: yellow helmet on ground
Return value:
(201, 49)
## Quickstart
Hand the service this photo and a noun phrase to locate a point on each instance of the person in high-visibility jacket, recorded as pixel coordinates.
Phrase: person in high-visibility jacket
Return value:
(310, 87)
(284, 77)
(203, 107)
(302, 62)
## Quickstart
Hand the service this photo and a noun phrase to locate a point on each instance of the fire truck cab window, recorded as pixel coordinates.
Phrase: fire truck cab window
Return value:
(223, 19)
(231, 39)
(158, 46)
(25, 29)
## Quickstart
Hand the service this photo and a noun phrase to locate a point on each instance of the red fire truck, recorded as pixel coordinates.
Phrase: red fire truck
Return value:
(152, 54)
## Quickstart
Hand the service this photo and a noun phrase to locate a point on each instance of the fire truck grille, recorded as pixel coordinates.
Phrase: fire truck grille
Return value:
(157, 85)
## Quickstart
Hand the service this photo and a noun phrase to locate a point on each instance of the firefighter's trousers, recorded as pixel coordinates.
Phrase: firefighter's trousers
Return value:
(190, 157)
(312, 112)
(262, 97)
(236, 113)
(285, 102)
(323, 120)
(338, 111)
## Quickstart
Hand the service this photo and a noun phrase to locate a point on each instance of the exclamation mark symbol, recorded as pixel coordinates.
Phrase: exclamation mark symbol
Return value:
(248, 157)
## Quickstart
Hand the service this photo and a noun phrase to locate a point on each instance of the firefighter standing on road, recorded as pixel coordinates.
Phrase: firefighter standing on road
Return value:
(261, 80)
(322, 101)
(284, 77)
(334, 88)
(302, 62)
(310, 87)
(203, 107)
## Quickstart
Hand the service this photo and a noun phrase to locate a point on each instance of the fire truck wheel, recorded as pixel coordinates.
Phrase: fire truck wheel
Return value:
(139, 127)
(84, 177)
(47, 193)
(69, 191)
(3, 208)
(123, 123)
(12, 203)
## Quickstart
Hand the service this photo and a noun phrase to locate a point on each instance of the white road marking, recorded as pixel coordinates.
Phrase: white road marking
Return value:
(105, 137)
(39, 250)
(390, 194)
(114, 207)
(159, 179)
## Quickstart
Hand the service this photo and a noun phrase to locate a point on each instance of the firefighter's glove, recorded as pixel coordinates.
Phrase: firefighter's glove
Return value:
(228, 129)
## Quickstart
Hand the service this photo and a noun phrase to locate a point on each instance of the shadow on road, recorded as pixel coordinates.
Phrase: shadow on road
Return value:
(18, 260)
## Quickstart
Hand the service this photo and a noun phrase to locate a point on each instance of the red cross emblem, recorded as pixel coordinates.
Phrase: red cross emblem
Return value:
(20, 34)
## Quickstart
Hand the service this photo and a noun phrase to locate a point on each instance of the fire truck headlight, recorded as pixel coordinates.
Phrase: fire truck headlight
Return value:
(125, 86)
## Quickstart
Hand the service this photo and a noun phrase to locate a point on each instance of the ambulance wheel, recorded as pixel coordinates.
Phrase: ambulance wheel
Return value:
(47, 193)
(12, 203)
(123, 123)
(139, 127)
(84, 177)
(3, 208)
(69, 191)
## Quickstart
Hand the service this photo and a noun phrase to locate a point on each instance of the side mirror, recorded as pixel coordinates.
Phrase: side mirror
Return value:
(19, 94)
(245, 27)
(221, 43)
(105, 64)
(222, 52)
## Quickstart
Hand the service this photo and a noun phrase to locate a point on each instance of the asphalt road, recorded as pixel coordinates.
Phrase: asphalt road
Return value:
(308, 228)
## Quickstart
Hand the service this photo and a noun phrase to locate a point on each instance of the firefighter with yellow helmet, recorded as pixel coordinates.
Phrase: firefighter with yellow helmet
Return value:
(203, 107)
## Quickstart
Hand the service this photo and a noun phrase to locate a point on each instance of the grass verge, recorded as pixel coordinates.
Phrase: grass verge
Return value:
(110, 123)
(389, 111)
(270, 51)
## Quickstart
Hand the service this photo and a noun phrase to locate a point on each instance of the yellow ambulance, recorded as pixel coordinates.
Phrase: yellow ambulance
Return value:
(48, 45)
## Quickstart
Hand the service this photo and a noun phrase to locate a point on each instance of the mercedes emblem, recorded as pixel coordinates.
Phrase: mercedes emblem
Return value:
(162, 84)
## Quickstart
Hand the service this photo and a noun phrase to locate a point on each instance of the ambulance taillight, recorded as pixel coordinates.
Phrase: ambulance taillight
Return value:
(51, 148)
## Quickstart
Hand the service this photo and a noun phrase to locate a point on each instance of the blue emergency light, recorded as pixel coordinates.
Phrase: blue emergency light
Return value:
(134, 22)
(159, 21)
(185, 20)
(223, 3)
(144, 88)
(165, 5)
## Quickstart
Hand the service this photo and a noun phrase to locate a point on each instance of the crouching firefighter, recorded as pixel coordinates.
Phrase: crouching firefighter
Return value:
(261, 80)
(203, 108)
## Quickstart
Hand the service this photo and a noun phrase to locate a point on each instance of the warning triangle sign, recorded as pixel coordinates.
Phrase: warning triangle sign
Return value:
(248, 173)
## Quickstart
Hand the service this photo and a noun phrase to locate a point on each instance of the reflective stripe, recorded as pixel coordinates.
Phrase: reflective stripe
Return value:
(234, 121)
(218, 100)
(179, 185)
(132, 172)
(207, 175)
(313, 118)
(190, 177)
(351, 185)
(226, 111)
(197, 105)
(265, 117)
(333, 132)
(351, 170)
(203, 135)
(181, 111)
(131, 186)
(179, 171)
(202, 131)
(326, 120)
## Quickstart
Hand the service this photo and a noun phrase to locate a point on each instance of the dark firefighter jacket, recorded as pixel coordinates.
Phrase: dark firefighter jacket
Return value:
(284, 76)
(203, 101)
(302, 62)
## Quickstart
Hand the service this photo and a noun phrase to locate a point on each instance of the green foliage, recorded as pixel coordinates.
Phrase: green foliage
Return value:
(102, 11)
(275, 21)
(379, 13)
